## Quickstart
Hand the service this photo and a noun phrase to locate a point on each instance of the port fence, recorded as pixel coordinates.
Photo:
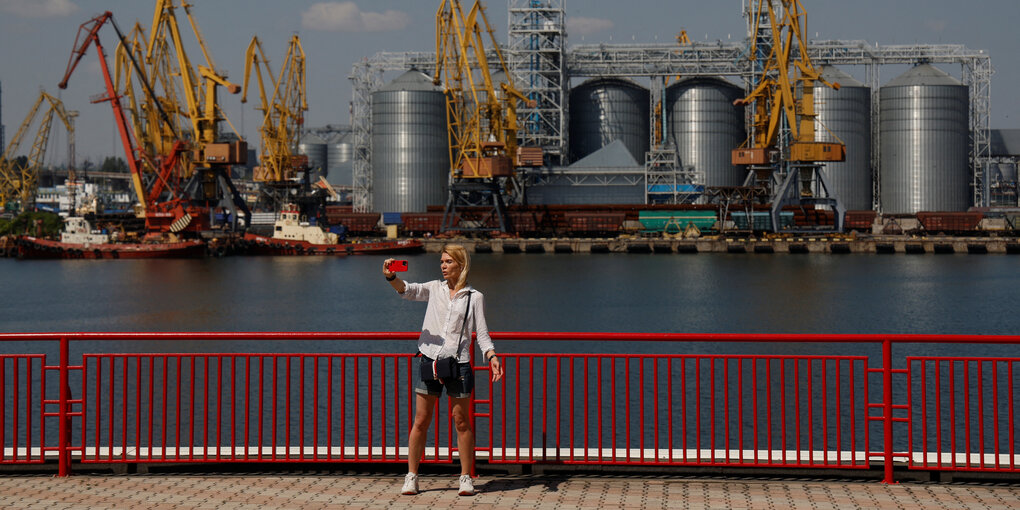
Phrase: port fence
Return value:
(810, 402)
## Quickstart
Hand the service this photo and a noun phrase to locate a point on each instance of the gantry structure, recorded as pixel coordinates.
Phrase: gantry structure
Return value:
(542, 67)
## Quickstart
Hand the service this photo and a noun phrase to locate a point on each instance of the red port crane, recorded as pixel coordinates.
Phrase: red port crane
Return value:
(162, 214)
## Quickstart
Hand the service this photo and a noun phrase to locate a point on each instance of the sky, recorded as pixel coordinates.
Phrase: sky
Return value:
(36, 38)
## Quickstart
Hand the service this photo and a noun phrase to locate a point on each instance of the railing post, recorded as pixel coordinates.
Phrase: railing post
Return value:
(887, 415)
(472, 421)
(64, 451)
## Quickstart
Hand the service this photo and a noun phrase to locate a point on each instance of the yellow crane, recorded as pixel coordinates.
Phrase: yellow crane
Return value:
(282, 111)
(153, 103)
(210, 186)
(775, 97)
(482, 120)
(788, 167)
(481, 115)
(175, 116)
(18, 181)
(199, 84)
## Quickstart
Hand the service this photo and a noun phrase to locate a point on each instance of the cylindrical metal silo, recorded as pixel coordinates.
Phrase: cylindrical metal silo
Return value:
(410, 148)
(705, 126)
(845, 115)
(606, 109)
(314, 147)
(339, 155)
(924, 135)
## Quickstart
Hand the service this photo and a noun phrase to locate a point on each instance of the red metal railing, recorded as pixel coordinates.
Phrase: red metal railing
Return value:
(819, 410)
(682, 409)
(949, 398)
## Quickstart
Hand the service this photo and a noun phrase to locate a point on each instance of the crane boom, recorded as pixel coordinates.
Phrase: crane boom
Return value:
(88, 36)
(482, 119)
(775, 99)
(199, 83)
(282, 112)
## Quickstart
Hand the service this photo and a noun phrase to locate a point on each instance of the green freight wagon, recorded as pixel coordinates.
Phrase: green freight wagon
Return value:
(673, 222)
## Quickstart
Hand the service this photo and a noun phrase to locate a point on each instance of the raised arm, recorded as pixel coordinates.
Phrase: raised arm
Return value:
(391, 277)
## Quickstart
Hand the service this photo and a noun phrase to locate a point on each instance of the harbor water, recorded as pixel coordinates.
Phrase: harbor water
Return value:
(719, 293)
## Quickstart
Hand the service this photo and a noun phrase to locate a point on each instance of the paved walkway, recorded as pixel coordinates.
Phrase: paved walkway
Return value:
(317, 490)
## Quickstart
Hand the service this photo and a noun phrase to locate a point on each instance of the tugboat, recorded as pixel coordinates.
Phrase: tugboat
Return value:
(79, 241)
(292, 236)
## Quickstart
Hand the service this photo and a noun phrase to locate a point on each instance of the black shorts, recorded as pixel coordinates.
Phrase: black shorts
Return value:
(457, 387)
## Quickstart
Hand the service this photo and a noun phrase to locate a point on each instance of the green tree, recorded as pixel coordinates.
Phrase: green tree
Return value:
(25, 223)
(113, 164)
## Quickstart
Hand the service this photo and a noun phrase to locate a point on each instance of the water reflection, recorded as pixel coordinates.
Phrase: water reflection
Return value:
(679, 293)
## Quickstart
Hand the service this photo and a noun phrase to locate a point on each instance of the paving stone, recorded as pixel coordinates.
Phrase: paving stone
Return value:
(166, 491)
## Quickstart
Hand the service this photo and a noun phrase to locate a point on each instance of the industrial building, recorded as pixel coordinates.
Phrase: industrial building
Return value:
(655, 123)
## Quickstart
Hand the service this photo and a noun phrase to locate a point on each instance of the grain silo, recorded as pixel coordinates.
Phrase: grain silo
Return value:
(844, 115)
(410, 148)
(314, 147)
(924, 142)
(339, 156)
(606, 109)
(705, 127)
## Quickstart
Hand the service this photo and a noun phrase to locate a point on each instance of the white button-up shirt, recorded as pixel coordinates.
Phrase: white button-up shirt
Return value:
(443, 332)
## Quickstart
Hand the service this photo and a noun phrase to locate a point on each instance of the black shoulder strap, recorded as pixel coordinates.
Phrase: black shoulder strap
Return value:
(463, 326)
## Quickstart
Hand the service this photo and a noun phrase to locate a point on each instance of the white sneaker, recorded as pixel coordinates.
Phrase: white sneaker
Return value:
(410, 485)
(467, 486)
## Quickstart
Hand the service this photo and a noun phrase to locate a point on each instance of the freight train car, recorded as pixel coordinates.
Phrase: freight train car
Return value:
(950, 223)
(425, 224)
(358, 224)
(860, 221)
(674, 221)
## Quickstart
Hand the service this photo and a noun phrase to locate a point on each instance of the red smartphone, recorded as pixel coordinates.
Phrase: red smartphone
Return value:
(398, 266)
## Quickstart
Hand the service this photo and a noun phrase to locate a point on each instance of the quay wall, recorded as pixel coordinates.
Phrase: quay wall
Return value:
(792, 245)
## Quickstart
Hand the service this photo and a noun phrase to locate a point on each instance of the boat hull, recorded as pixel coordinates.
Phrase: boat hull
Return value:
(261, 245)
(36, 248)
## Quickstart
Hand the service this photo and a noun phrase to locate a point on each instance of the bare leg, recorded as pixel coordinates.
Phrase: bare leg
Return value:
(423, 406)
(465, 434)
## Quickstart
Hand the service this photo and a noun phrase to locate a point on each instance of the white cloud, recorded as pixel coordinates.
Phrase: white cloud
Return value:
(39, 8)
(348, 17)
(586, 26)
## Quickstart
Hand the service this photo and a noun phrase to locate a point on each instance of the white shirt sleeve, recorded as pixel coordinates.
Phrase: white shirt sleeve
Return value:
(415, 291)
(481, 328)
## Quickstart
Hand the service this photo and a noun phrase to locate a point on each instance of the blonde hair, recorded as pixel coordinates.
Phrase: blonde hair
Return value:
(459, 255)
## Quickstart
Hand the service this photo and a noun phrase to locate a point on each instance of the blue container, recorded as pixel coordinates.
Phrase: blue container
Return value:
(392, 218)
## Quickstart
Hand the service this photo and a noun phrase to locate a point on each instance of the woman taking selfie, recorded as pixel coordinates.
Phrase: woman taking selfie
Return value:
(454, 310)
